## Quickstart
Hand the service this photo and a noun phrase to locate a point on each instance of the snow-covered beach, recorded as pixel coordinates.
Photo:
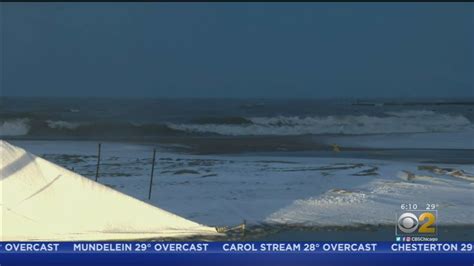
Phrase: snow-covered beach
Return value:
(223, 190)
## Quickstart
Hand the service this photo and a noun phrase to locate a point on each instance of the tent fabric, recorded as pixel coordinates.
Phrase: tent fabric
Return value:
(42, 201)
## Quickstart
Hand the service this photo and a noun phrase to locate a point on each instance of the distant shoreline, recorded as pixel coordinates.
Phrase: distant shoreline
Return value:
(414, 103)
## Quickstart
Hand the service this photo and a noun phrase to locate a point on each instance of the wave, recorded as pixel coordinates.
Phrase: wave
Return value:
(14, 127)
(411, 113)
(59, 128)
(231, 120)
(396, 122)
(62, 124)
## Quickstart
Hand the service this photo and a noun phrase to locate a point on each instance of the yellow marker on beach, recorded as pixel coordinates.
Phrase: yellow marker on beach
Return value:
(336, 148)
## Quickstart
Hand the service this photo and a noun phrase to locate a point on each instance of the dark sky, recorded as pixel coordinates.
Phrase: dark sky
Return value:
(238, 49)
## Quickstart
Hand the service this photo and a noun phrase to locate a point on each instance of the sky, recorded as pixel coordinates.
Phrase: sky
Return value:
(244, 50)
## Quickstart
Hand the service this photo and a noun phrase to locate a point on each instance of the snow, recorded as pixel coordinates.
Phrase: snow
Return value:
(43, 201)
(226, 189)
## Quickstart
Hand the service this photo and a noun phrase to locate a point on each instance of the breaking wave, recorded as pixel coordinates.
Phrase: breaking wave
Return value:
(395, 122)
(58, 128)
(14, 127)
(62, 124)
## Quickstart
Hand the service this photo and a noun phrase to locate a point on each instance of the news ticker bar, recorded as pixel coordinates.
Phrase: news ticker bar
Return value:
(236, 247)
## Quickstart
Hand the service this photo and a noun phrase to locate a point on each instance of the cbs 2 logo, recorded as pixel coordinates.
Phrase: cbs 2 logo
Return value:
(423, 224)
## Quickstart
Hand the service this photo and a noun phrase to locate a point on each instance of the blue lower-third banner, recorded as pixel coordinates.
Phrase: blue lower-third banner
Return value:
(236, 247)
(236, 253)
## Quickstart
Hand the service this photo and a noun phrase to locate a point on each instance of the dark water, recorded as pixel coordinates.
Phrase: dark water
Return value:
(237, 119)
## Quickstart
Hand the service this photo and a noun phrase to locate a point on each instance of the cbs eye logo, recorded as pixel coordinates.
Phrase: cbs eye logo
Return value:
(410, 223)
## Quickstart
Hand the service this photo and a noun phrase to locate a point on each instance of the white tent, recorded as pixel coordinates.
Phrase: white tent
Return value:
(42, 201)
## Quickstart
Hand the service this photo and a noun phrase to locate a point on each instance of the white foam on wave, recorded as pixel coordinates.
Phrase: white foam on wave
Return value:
(15, 127)
(62, 124)
(400, 122)
(411, 113)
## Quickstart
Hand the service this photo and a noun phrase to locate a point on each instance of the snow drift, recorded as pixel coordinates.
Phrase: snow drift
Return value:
(42, 201)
